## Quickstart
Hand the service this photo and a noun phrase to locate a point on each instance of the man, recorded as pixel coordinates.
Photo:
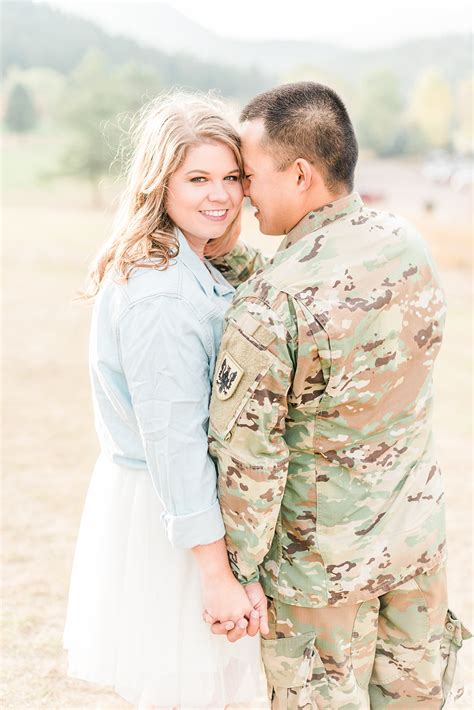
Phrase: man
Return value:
(320, 423)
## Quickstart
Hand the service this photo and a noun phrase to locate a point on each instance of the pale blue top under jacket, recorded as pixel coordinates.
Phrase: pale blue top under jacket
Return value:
(153, 349)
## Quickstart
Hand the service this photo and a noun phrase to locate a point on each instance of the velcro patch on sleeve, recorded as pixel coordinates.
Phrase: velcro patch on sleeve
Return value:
(250, 325)
(228, 376)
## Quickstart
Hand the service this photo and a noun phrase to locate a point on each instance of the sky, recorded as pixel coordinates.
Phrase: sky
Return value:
(361, 24)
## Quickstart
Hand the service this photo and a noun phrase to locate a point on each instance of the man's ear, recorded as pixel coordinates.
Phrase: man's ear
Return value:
(305, 174)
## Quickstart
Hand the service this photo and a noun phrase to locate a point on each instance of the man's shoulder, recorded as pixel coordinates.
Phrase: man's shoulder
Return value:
(355, 241)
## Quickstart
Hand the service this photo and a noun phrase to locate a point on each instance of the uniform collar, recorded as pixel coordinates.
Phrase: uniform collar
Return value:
(321, 217)
(192, 262)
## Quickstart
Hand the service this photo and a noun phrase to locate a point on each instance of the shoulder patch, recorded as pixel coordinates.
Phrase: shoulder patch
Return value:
(228, 377)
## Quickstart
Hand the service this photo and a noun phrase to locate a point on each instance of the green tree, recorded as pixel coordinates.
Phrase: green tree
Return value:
(431, 109)
(93, 102)
(20, 114)
(379, 113)
(44, 86)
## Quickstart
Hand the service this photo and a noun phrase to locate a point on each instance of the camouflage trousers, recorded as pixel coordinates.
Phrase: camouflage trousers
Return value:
(397, 651)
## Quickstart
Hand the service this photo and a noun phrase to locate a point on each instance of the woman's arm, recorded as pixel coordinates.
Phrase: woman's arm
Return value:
(164, 351)
(165, 357)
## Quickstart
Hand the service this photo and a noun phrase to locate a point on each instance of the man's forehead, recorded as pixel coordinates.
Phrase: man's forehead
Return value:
(252, 132)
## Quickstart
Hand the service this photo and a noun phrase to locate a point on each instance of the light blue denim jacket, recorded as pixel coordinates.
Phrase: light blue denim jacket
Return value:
(153, 348)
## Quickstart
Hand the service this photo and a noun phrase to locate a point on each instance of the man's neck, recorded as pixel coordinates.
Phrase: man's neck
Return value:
(317, 201)
(325, 197)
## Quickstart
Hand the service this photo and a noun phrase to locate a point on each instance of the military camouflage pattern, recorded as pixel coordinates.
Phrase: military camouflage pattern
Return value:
(242, 263)
(328, 480)
(397, 650)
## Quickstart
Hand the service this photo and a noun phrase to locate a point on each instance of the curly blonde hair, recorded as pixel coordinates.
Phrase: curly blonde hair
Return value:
(143, 234)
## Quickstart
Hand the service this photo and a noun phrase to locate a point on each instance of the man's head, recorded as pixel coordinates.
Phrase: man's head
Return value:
(299, 151)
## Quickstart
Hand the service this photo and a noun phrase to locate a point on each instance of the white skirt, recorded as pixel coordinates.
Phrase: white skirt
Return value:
(134, 619)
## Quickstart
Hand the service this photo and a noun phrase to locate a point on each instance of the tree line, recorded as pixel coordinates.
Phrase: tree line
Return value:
(89, 103)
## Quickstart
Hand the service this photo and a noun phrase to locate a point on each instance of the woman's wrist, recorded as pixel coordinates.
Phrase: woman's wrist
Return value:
(212, 561)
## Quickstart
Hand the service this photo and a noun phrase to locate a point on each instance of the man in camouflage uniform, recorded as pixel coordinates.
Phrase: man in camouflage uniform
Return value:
(320, 423)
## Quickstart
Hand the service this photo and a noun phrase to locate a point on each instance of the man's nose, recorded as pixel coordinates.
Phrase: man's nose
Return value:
(246, 187)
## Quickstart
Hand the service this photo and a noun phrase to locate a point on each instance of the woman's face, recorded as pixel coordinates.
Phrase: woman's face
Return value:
(205, 193)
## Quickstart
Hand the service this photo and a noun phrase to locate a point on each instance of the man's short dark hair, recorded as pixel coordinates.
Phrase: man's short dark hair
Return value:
(307, 120)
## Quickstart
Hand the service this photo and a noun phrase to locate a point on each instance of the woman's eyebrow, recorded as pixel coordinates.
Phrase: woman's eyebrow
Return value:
(205, 172)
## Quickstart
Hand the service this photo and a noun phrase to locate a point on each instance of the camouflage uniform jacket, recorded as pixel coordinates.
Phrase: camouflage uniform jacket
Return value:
(320, 418)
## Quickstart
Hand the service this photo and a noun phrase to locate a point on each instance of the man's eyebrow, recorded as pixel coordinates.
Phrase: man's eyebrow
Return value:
(205, 172)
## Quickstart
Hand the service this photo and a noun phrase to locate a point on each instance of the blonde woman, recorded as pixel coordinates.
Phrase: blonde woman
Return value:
(150, 554)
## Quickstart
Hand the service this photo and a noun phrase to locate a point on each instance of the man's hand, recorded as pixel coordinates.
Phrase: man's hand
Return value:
(258, 600)
(257, 620)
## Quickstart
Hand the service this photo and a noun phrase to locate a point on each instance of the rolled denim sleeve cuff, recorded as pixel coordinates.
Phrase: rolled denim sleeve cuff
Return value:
(195, 529)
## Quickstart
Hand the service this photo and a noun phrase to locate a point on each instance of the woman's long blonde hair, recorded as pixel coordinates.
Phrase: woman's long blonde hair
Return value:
(161, 134)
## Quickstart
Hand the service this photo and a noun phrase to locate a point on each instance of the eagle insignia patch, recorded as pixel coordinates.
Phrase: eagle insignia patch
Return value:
(228, 376)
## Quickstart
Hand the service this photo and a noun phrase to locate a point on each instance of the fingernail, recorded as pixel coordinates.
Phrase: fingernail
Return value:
(228, 626)
(254, 614)
(243, 623)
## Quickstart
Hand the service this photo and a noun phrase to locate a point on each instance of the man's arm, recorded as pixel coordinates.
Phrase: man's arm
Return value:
(240, 263)
(247, 424)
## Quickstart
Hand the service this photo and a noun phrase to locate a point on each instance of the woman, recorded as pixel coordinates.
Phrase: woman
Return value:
(150, 553)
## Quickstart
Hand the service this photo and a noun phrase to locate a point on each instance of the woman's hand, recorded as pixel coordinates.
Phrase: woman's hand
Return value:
(225, 600)
(226, 242)
(258, 618)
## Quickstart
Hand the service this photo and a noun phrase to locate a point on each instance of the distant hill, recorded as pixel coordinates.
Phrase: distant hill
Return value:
(165, 28)
(38, 35)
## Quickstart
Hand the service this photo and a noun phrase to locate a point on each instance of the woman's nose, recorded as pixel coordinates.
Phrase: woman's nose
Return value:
(218, 192)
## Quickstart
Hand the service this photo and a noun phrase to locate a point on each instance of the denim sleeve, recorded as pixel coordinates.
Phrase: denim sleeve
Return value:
(165, 357)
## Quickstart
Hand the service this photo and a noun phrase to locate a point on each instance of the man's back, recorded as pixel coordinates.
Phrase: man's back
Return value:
(327, 473)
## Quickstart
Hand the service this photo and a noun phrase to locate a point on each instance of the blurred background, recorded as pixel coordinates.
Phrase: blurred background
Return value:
(72, 75)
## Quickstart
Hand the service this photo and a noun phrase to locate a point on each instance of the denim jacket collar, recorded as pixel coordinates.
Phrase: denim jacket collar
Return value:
(192, 262)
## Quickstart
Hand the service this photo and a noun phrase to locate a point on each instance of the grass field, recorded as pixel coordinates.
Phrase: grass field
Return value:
(50, 446)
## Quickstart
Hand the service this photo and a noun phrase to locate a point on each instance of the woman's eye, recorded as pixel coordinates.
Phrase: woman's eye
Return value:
(198, 179)
(232, 178)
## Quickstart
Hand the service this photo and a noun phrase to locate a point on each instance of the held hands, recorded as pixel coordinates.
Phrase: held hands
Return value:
(250, 623)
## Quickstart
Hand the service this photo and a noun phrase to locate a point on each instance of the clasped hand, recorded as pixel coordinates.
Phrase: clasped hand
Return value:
(239, 611)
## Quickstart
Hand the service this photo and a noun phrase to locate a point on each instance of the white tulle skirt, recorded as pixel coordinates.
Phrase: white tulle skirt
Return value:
(134, 619)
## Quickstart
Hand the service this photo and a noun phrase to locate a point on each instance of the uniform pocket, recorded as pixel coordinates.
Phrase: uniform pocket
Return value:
(403, 630)
(289, 662)
(364, 641)
(295, 672)
(249, 364)
(453, 636)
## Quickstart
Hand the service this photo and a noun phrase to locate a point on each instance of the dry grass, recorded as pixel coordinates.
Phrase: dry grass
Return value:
(51, 446)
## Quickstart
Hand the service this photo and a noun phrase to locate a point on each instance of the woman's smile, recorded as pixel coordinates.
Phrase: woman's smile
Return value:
(215, 215)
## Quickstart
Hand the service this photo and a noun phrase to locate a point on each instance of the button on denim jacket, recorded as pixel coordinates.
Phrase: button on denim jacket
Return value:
(153, 347)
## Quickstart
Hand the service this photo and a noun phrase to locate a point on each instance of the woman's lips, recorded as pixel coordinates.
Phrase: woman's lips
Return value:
(215, 215)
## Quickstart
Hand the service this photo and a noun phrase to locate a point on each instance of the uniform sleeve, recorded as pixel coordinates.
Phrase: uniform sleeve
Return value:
(247, 425)
(240, 264)
(165, 357)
